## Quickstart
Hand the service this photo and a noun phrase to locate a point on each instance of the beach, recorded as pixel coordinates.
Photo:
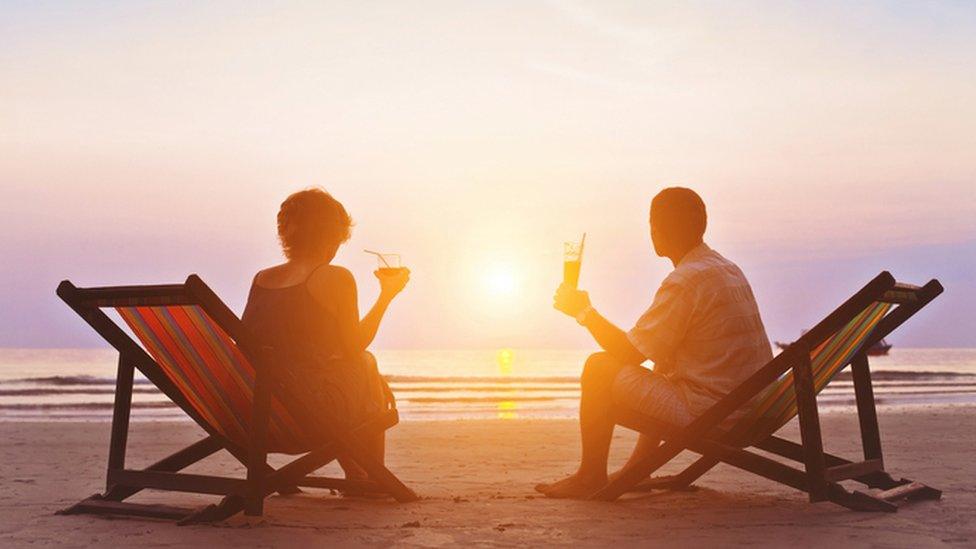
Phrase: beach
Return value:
(476, 477)
(236, 227)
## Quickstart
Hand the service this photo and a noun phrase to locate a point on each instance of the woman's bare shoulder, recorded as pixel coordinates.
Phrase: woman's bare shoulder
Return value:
(329, 280)
(272, 277)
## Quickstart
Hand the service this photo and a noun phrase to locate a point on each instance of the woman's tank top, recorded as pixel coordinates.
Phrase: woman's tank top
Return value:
(303, 333)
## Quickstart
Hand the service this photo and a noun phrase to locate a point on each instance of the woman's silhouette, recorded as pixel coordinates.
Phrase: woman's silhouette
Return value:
(307, 309)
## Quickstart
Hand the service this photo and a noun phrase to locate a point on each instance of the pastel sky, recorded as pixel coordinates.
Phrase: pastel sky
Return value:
(142, 141)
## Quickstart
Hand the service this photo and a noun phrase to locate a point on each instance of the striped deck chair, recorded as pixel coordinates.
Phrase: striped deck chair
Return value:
(198, 353)
(786, 387)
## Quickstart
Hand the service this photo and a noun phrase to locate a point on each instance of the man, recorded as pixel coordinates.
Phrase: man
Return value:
(703, 333)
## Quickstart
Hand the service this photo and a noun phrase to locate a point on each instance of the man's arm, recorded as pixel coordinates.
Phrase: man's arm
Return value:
(611, 339)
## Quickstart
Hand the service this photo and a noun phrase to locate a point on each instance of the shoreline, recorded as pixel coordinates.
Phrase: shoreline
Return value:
(476, 478)
(72, 385)
(824, 410)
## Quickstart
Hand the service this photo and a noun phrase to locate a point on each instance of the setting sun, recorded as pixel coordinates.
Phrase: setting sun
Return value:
(501, 280)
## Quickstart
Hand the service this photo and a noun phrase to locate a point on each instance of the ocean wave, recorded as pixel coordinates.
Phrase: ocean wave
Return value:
(94, 380)
(907, 375)
(52, 392)
(454, 381)
(85, 406)
(481, 379)
(458, 406)
(71, 380)
(497, 399)
(501, 392)
(499, 388)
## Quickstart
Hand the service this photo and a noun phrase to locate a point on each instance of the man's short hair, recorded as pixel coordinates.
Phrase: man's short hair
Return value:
(680, 212)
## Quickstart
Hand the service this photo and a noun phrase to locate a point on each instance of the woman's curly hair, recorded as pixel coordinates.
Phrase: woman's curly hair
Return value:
(310, 222)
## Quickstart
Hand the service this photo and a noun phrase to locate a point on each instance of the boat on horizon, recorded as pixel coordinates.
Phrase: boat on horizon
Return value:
(880, 348)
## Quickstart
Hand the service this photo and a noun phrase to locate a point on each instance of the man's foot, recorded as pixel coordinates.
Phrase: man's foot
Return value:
(616, 474)
(572, 487)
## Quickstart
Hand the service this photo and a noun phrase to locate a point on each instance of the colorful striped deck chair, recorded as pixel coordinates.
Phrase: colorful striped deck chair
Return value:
(198, 353)
(786, 387)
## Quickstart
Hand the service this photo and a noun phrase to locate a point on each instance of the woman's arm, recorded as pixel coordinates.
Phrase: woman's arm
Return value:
(390, 286)
(335, 288)
(370, 323)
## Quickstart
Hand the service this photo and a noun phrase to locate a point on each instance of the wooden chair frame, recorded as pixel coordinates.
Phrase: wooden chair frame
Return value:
(262, 480)
(822, 472)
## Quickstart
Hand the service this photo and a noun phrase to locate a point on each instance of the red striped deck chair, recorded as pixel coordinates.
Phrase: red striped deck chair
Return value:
(198, 353)
(786, 387)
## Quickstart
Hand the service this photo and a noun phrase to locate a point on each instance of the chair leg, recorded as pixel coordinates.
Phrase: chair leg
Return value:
(282, 480)
(170, 464)
(680, 481)
(784, 474)
(290, 490)
(858, 501)
(292, 474)
(257, 459)
(284, 477)
(97, 505)
(867, 414)
(911, 491)
(120, 415)
(347, 442)
(791, 450)
(380, 474)
(228, 507)
(806, 404)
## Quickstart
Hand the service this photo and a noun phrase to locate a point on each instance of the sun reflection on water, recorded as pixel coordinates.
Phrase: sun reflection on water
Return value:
(507, 409)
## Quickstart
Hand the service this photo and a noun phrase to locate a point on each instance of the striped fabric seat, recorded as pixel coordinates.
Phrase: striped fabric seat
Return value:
(777, 405)
(210, 370)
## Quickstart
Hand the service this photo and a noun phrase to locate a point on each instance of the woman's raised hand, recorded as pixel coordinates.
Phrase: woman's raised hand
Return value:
(392, 281)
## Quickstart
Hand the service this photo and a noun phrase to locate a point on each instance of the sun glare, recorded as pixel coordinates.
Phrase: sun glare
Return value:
(500, 280)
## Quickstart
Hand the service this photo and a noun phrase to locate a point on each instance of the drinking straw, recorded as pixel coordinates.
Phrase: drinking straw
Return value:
(383, 259)
(582, 243)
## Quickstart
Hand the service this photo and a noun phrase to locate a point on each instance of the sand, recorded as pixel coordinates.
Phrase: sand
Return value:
(476, 478)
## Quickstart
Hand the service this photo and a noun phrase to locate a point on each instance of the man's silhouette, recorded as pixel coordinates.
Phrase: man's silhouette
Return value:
(703, 333)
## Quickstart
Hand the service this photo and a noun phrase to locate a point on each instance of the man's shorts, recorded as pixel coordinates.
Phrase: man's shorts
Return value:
(650, 394)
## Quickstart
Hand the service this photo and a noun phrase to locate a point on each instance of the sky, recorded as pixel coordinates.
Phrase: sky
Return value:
(143, 141)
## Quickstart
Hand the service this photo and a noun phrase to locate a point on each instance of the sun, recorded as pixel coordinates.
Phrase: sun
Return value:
(500, 281)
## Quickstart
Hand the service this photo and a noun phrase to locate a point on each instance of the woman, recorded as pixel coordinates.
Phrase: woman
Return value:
(307, 310)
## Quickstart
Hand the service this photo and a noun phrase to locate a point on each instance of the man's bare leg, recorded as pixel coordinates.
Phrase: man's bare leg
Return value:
(645, 445)
(596, 430)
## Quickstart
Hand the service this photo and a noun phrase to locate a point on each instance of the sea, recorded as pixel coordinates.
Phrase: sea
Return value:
(78, 384)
